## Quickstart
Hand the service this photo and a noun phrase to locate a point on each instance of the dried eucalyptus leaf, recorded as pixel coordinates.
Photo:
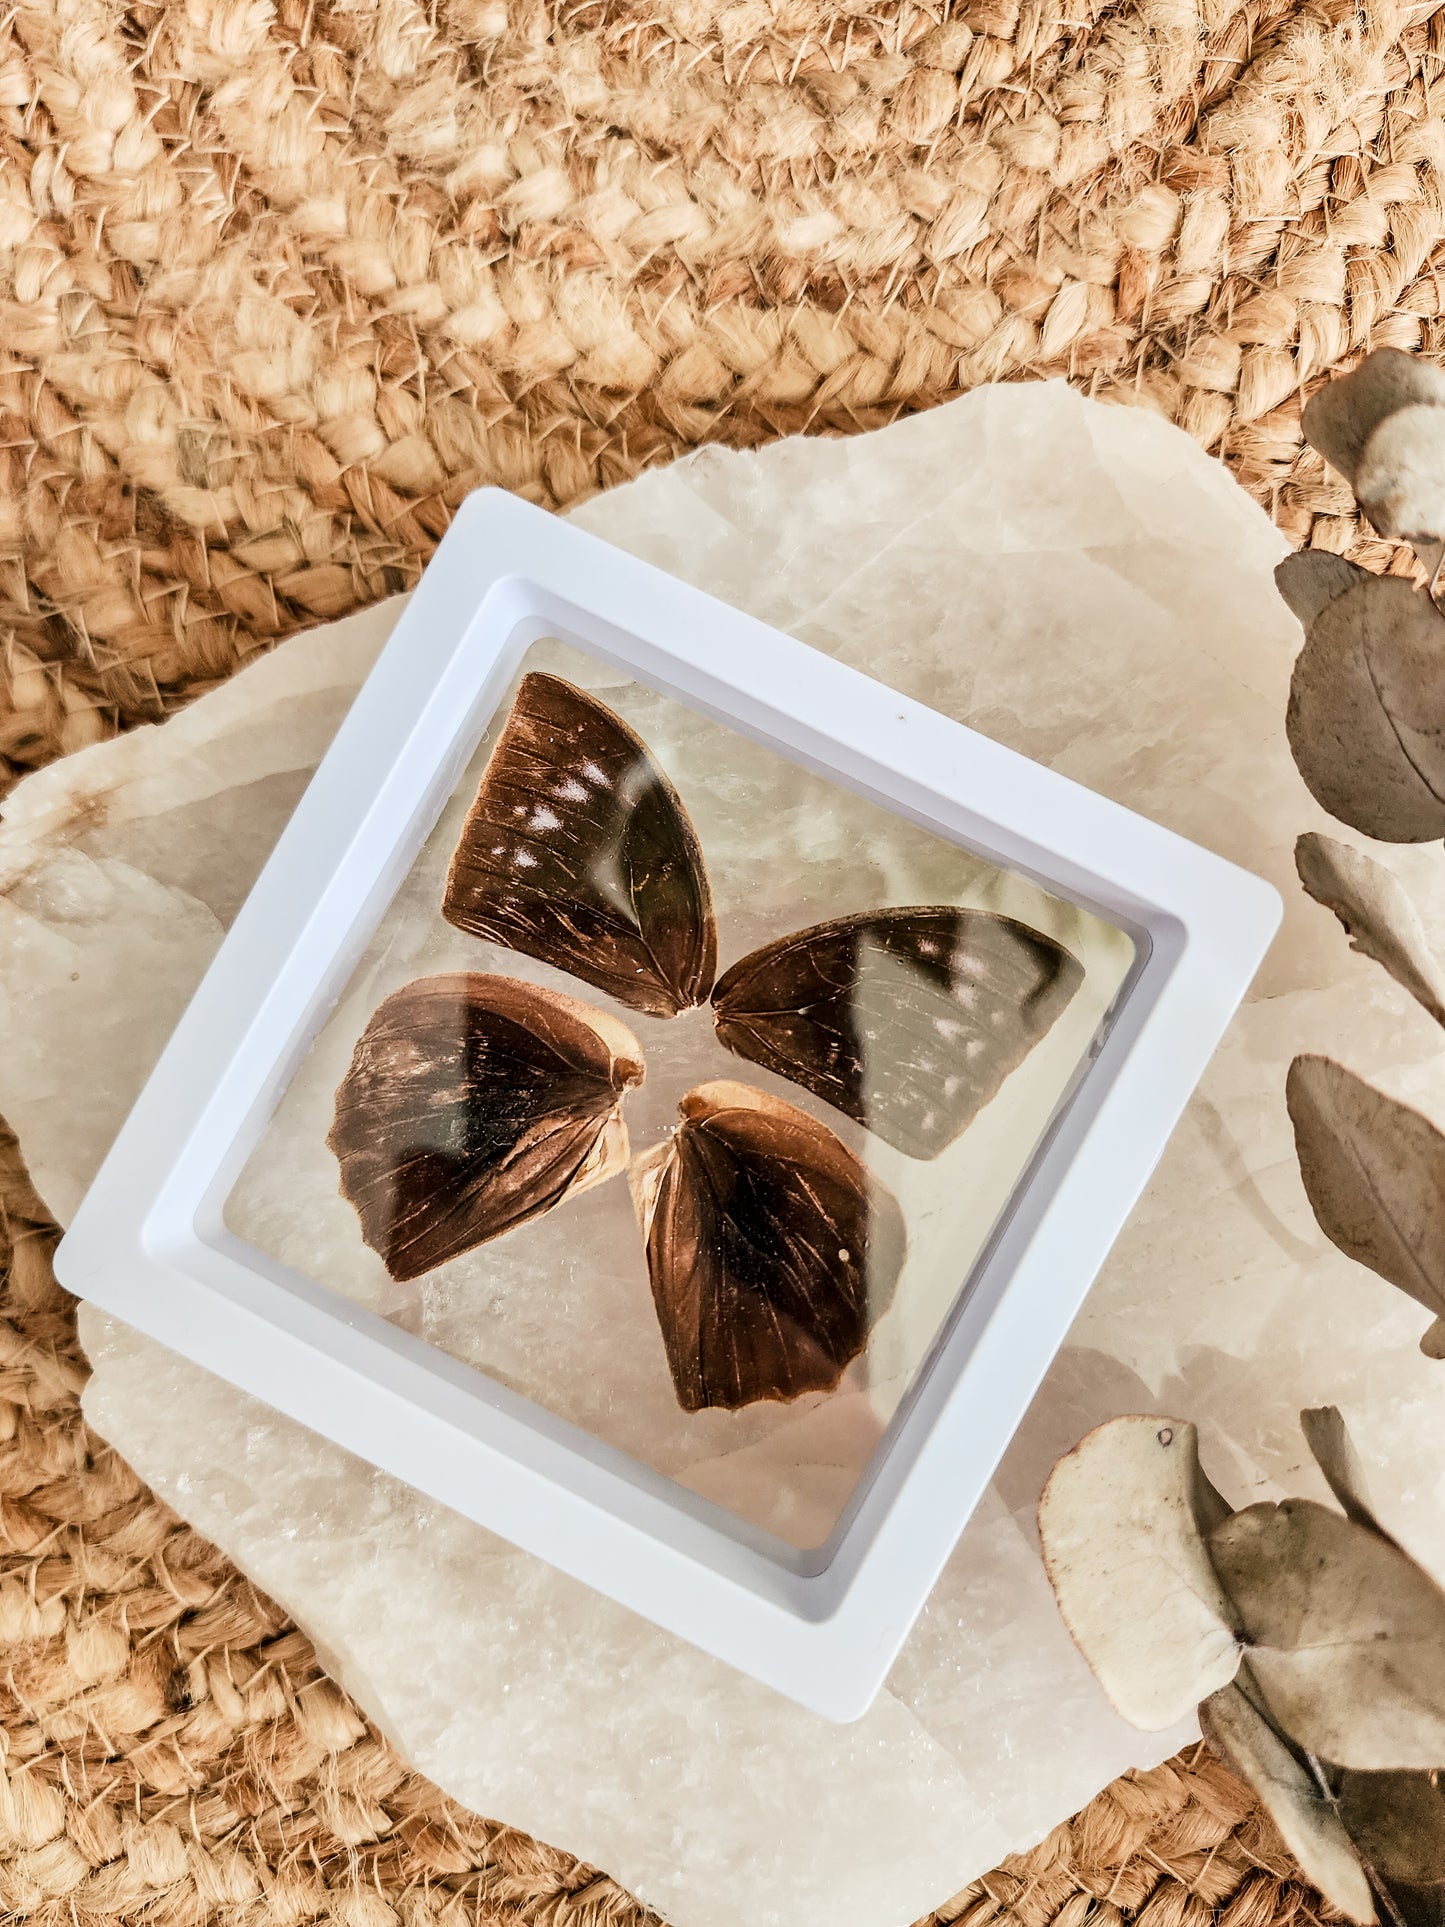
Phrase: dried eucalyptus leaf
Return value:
(1313, 578)
(1345, 1634)
(1366, 717)
(1374, 1173)
(1433, 1343)
(1334, 1453)
(1400, 479)
(1339, 418)
(1123, 1521)
(771, 1248)
(1304, 1814)
(1378, 916)
(1397, 1820)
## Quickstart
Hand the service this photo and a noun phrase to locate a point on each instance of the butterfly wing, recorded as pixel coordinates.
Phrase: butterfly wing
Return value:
(907, 1020)
(471, 1105)
(771, 1250)
(577, 850)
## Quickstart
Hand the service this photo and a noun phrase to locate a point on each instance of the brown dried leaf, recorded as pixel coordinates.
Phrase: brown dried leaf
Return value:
(1312, 579)
(1304, 1814)
(578, 850)
(472, 1104)
(1340, 418)
(1378, 916)
(1334, 1453)
(1345, 1634)
(1374, 1173)
(1123, 1521)
(771, 1248)
(1366, 717)
(908, 1020)
(1397, 1820)
(1400, 479)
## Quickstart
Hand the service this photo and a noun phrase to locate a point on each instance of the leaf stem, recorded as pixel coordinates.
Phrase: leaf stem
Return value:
(1372, 1873)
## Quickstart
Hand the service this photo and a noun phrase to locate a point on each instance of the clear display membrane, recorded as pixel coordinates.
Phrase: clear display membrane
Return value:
(681, 1090)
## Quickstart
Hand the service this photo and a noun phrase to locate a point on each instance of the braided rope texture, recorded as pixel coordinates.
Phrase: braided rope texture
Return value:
(281, 280)
(172, 1754)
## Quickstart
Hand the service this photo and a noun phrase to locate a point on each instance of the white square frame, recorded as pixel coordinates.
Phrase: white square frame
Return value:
(149, 1246)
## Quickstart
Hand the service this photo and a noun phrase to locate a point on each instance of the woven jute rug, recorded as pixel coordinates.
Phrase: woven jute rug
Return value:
(280, 281)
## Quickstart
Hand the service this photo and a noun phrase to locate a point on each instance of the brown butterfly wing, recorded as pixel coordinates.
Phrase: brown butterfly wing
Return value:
(578, 850)
(771, 1250)
(471, 1105)
(907, 1020)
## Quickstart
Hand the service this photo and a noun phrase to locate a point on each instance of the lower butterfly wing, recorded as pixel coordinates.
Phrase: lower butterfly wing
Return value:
(420, 1211)
(771, 1250)
(473, 1104)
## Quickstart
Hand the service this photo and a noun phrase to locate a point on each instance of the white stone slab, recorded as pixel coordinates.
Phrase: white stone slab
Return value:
(1085, 585)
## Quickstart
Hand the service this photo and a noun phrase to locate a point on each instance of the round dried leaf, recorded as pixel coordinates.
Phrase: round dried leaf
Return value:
(1123, 1520)
(1339, 418)
(1366, 718)
(1378, 916)
(1345, 1634)
(1306, 1818)
(1313, 578)
(1374, 1173)
(1400, 479)
(1398, 1822)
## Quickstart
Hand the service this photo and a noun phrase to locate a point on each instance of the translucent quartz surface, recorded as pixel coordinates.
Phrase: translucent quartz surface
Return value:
(561, 1309)
(1084, 584)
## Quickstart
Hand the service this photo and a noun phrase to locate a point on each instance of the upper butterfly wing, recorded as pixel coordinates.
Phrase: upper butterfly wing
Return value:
(908, 1020)
(578, 850)
(772, 1251)
(473, 1103)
